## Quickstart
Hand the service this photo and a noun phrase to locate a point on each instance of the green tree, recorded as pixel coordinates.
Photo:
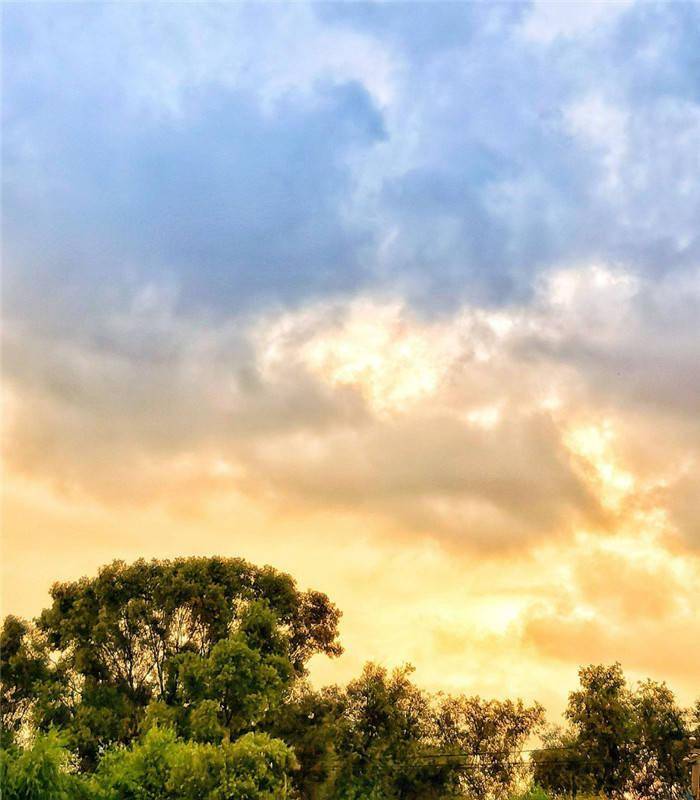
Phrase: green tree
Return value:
(24, 667)
(487, 737)
(241, 680)
(601, 713)
(186, 679)
(620, 742)
(660, 744)
(119, 641)
(560, 766)
(308, 721)
(385, 738)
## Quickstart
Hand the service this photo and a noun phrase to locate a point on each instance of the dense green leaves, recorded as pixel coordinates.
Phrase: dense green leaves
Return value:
(158, 767)
(134, 636)
(39, 772)
(241, 680)
(308, 720)
(384, 727)
(162, 767)
(128, 621)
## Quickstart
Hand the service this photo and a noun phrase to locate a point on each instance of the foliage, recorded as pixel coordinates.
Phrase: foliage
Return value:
(39, 772)
(240, 681)
(162, 767)
(186, 679)
(602, 714)
(24, 668)
(308, 721)
(620, 742)
(385, 731)
(661, 743)
(534, 792)
(121, 641)
(495, 732)
(694, 719)
(560, 766)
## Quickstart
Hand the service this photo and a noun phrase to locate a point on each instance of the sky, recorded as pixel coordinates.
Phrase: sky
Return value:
(403, 299)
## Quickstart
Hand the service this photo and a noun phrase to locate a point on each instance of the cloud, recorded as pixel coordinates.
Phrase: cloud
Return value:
(218, 408)
(487, 429)
(423, 274)
(233, 208)
(505, 159)
(547, 21)
(620, 598)
(170, 149)
(432, 152)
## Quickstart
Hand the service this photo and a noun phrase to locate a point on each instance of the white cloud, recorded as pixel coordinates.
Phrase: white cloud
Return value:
(601, 125)
(550, 19)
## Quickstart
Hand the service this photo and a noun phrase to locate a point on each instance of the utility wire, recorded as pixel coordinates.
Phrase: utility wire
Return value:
(521, 751)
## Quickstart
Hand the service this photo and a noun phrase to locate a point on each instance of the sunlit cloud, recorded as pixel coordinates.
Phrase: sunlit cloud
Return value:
(411, 312)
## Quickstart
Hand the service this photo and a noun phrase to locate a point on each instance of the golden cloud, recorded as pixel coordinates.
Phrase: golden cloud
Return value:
(477, 491)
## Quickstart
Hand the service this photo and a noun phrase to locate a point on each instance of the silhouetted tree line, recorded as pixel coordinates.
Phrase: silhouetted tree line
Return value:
(186, 680)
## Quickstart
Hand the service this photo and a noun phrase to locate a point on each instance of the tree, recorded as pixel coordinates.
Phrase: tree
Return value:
(694, 719)
(241, 680)
(560, 767)
(660, 744)
(384, 740)
(186, 679)
(487, 735)
(121, 639)
(308, 721)
(620, 742)
(24, 667)
(601, 713)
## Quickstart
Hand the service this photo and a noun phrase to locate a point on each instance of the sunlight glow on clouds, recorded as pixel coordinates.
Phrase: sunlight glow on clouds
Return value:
(419, 430)
(401, 298)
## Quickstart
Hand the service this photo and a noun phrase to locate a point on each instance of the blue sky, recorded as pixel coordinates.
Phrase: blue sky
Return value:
(247, 155)
(400, 286)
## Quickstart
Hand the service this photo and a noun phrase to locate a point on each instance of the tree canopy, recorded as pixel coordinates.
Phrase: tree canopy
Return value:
(156, 632)
(620, 742)
(187, 679)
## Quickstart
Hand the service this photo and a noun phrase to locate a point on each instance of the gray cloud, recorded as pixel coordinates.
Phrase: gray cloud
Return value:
(189, 171)
(452, 430)
(436, 150)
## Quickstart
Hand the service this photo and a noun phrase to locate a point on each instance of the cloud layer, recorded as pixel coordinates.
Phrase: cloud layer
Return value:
(445, 151)
(422, 280)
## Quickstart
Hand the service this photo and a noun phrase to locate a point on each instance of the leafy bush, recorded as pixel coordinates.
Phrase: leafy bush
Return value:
(163, 767)
(39, 772)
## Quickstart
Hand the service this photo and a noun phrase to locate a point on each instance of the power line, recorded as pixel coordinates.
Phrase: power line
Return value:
(522, 751)
(578, 757)
(499, 752)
